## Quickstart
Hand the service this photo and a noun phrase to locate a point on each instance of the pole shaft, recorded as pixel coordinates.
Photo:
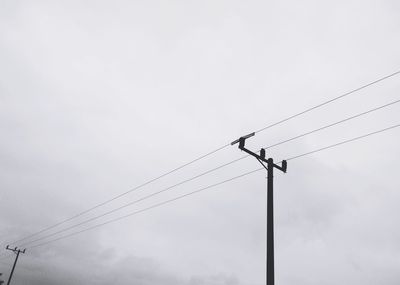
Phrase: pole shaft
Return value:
(12, 270)
(270, 224)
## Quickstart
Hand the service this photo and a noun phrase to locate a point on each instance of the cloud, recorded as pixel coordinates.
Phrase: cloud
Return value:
(98, 97)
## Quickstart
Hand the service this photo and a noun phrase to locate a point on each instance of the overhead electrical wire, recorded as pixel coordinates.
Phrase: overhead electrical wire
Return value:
(133, 202)
(204, 156)
(120, 195)
(213, 185)
(329, 101)
(204, 173)
(343, 142)
(154, 206)
(334, 124)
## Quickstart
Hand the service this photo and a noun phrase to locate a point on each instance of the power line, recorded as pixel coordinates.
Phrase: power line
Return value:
(120, 195)
(133, 202)
(207, 172)
(334, 124)
(329, 101)
(153, 206)
(216, 184)
(204, 156)
(343, 142)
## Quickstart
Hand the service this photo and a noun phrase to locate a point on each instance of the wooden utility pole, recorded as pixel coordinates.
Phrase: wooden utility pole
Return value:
(269, 165)
(17, 252)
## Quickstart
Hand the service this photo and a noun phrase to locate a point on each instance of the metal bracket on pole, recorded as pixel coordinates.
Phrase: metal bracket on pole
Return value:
(260, 157)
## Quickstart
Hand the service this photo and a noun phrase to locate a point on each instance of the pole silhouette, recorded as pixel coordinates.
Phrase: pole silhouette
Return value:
(17, 252)
(269, 165)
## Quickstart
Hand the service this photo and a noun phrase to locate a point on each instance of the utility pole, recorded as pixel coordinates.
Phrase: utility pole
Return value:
(269, 165)
(17, 252)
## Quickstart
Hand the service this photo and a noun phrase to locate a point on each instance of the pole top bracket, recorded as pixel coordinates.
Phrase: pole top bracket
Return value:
(243, 138)
(261, 156)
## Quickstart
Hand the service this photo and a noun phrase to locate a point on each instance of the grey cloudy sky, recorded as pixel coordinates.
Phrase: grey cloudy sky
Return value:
(97, 97)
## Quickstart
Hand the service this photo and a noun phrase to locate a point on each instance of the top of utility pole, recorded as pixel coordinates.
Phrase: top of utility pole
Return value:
(260, 157)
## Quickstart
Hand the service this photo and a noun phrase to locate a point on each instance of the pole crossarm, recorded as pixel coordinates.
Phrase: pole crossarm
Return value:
(261, 157)
(15, 249)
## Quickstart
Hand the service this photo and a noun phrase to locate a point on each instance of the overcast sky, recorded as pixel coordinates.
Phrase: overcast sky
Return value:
(97, 97)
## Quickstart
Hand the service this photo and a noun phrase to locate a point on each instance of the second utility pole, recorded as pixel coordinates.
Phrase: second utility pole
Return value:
(270, 201)
(17, 252)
